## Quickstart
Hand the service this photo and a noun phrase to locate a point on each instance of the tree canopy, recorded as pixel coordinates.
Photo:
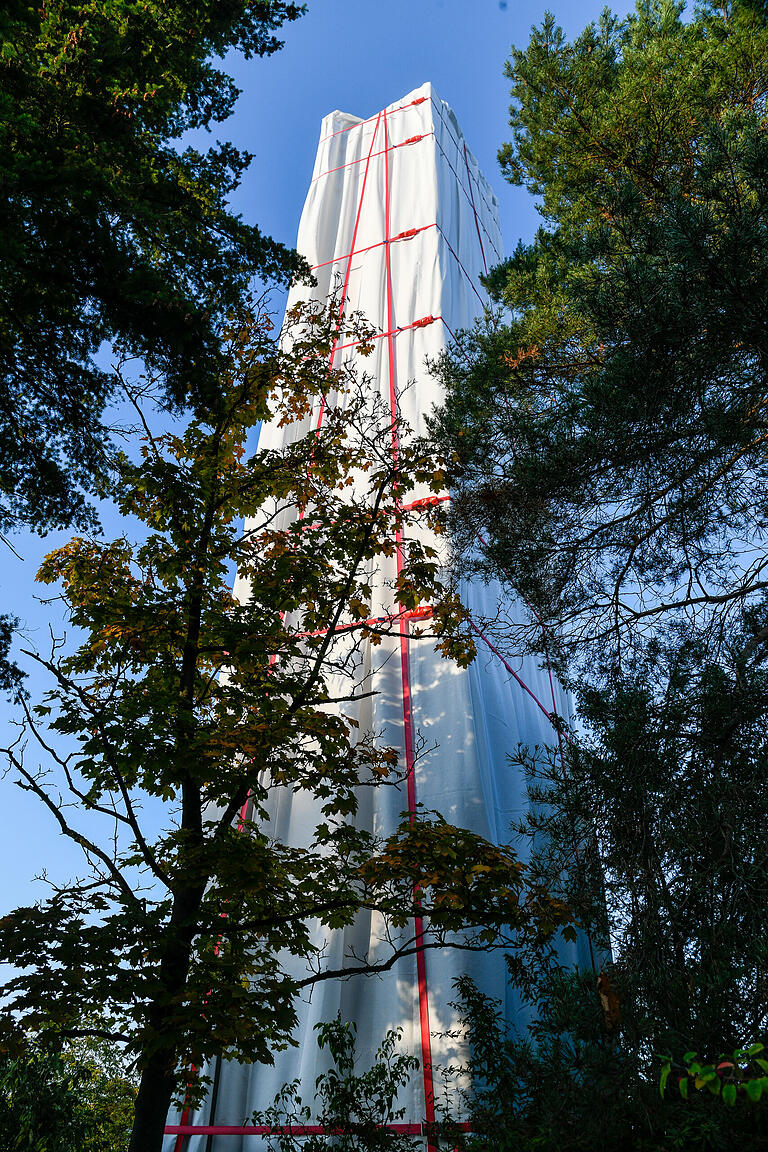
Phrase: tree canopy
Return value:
(114, 229)
(612, 433)
(608, 427)
(212, 705)
(78, 1100)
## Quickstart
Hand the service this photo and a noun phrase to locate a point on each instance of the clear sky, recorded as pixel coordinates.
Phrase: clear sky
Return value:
(357, 56)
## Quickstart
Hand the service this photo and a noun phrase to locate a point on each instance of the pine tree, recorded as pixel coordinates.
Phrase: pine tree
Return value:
(111, 231)
(612, 435)
(609, 431)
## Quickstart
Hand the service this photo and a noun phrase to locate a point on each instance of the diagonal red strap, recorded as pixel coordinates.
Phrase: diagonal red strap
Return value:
(360, 123)
(348, 272)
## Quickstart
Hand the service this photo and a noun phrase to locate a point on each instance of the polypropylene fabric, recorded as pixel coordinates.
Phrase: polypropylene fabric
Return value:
(373, 181)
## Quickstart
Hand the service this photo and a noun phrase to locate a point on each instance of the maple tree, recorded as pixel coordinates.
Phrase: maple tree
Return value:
(205, 706)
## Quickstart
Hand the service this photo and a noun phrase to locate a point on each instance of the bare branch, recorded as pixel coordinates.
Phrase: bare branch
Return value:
(85, 843)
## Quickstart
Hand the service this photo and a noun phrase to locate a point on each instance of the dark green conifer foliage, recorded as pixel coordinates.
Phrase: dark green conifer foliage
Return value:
(110, 231)
(609, 431)
(612, 435)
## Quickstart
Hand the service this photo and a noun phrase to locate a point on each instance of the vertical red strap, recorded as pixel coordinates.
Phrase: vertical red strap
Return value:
(421, 967)
(181, 1140)
(345, 287)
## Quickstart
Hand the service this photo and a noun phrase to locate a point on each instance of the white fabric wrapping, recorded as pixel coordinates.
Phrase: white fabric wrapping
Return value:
(474, 718)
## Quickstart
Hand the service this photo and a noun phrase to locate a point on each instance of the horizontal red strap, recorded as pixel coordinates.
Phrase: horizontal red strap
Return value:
(288, 1130)
(362, 123)
(370, 247)
(407, 235)
(422, 613)
(467, 196)
(519, 679)
(425, 502)
(423, 322)
(362, 159)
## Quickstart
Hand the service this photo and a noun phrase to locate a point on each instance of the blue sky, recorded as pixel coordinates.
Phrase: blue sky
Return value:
(357, 56)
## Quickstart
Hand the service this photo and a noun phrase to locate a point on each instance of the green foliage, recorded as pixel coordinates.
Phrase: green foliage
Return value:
(207, 706)
(652, 830)
(572, 1085)
(654, 834)
(743, 1073)
(110, 230)
(75, 1101)
(39, 1100)
(355, 1108)
(10, 674)
(610, 437)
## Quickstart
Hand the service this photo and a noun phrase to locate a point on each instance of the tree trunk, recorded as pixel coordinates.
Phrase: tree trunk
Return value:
(158, 1077)
(152, 1104)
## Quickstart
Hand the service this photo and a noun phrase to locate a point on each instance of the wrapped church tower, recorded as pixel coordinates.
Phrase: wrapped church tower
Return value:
(400, 220)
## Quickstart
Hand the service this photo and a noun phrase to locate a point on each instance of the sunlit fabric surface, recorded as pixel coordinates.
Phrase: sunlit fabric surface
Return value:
(470, 721)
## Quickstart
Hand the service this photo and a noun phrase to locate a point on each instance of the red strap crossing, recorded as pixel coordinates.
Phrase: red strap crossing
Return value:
(447, 129)
(407, 235)
(422, 613)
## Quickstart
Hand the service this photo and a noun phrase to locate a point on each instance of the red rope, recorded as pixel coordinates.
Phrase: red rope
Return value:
(455, 255)
(454, 141)
(460, 182)
(421, 968)
(512, 672)
(389, 148)
(348, 272)
(360, 123)
(545, 638)
(290, 1130)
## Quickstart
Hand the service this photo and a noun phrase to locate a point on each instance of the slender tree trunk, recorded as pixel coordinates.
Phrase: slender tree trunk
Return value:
(158, 1075)
(152, 1104)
